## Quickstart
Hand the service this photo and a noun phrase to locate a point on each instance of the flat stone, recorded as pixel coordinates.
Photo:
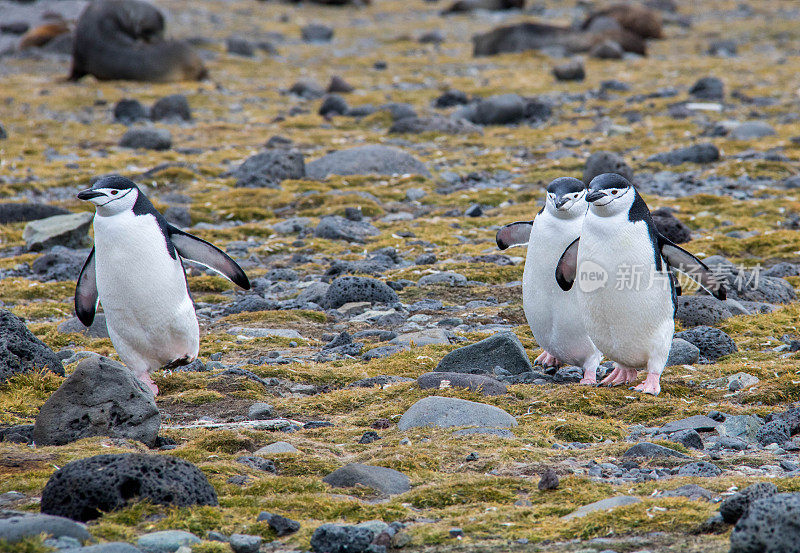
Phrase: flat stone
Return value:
(751, 130)
(743, 380)
(70, 230)
(366, 160)
(653, 451)
(690, 491)
(700, 423)
(166, 541)
(448, 278)
(17, 525)
(502, 349)
(266, 332)
(745, 427)
(384, 480)
(424, 337)
(110, 547)
(147, 139)
(701, 469)
(445, 412)
(277, 447)
(603, 505)
(476, 382)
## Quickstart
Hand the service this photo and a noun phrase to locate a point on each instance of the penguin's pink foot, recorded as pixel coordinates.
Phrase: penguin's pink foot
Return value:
(651, 384)
(619, 376)
(147, 381)
(547, 360)
(589, 380)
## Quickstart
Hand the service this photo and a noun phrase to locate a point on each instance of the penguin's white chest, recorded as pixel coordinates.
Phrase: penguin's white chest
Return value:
(554, 315)
(142, 289)
(627, 302)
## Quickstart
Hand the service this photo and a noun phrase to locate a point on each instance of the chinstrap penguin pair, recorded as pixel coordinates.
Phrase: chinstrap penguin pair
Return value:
(135, 271)
(626, 293)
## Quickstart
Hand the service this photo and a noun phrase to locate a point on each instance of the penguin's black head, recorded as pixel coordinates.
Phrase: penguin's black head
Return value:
(111, 194)
(612, 191)
(565, 195)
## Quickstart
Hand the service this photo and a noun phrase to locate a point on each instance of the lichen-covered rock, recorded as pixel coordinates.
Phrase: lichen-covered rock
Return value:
(21, 351)
(71, 230)
(84, 489)
(101, 398)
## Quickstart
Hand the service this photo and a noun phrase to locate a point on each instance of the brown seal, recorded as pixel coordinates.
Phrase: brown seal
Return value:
(42, 34)
(634, 18)
(124, 39)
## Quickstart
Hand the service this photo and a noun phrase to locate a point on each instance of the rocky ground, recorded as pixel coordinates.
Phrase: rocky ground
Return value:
(365, 218)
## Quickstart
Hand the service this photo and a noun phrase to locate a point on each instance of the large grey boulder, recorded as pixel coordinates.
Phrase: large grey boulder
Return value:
(446, 412)
(269, 168)
(17, 525)
(366, 160)
(336, 227)
(71, 230)
(21, 351)
(23, 212)
(771, 525)
(348, 289)
(384, 480)
(483, 384)
(502, 349)
(86, 488)
(101, 398)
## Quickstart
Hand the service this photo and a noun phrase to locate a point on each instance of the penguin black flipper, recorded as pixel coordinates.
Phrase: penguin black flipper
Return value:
(567, 266)
(687, 263)
(514, 234)
(198, 250)
(86, 296)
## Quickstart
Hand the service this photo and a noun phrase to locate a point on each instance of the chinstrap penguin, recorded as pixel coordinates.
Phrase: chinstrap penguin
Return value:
(623, 266)
(135, 271)
(553, 314)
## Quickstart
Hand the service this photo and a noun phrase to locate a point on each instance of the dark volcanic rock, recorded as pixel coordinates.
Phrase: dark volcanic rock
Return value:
(701, 310)
(503, 349)
(771, 525)
(340, 538)
(267, 169)
(282, 526)
(699, 153)
(348, 289)
(128, 111)
(387, 481)
(437, 124)
(500, 109)
(101, 398)
(477, 382)
(316, 32)
(338, 84)
(774, 432)
(701, 469)
(670, 226)
(366, 160)
(549, 480)
(333, 104)
(22, 212)
(240, 46)
(712, 342)
(86, 488)
(688, 438)
(451, 98)
(606, 162)
(59, 264)
(708, 88)
(737, 505)
(147, 139)
(336, 227)
(21, 351)
(174, 107)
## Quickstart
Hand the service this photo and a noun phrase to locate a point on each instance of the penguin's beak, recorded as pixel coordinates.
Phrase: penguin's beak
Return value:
(595, 195)
(561, 202)
(89, 194)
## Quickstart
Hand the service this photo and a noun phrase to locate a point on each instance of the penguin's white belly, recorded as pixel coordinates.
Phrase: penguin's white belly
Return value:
(142, 289)
(553, 314)
(629, 318)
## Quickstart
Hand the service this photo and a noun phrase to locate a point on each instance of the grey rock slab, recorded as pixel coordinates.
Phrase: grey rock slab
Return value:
(110, 547)
(424, 337)
(269, 168)
(24, 212)
(652, 451)
(166, 541)
(18, 525)
(700, 423)
(70, 230)
(381, 479)
(245, 543)
(476, 382)
(445, 412)
(276, 447)
(100, 398)
(690, 491)
(743, 380)
(502, 349)
(336, 227)
(682, 352)
(448, 278)
(744, 427)
(701, 469)
(366, 160)
(266, 332)
(437, 124)
(98, 329)
(750, 130)
(146, 139)
(603, 505)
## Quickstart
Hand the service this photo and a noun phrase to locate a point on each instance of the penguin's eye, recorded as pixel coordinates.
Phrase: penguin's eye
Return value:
(615, 192)
(114, 192)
